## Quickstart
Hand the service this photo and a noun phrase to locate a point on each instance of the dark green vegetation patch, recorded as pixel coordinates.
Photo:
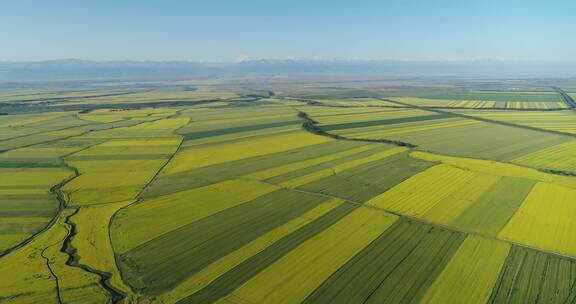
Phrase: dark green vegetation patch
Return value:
(232, 130)
(381, 122)
(327, 165)
(529, 276)
(398, 267)
(369, 180)
(28, 205)
(495, 207)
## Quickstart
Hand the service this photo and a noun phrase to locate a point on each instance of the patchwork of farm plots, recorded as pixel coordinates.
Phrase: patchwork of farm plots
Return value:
(356, 102)
(561, 121)
(438, 132)
(157, 96)
(555, 104)
(109, 163)
(412, 210)
(245, 203)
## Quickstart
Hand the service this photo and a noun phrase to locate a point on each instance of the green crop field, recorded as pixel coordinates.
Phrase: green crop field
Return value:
(243, 191)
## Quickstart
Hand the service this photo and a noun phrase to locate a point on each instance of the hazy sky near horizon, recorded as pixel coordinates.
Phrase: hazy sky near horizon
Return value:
(229, 30)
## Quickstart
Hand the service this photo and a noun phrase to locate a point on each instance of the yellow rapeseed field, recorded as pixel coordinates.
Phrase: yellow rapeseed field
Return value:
(110, 180)
(545, 220)
(558, 157)
(112, 148)
(454, 204)
(420, 193)
(497, 168)
(471, 273)
(411, 128)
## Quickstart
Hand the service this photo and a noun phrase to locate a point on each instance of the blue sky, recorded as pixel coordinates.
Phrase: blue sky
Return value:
(229, 30)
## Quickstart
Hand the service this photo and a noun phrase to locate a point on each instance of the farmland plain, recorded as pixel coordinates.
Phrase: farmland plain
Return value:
(254, 192)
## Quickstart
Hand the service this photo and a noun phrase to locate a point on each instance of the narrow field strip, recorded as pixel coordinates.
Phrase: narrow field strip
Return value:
(391, 121)
(327, 165)
(238, 129)
(399, 126)
(299, 181)
(276, 171)
(238, 137)
(292, 278)
(411, 129)
(340, 117)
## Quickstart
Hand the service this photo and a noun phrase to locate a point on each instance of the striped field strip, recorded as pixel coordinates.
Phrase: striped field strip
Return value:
(204, 277)
(299, 181)
(272, 172)
(292, 278)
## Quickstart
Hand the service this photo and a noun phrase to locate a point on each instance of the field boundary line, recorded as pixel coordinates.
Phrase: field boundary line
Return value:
(138, 197)
(504, 123)
(446, 227)
(431, 223)
(316, 102)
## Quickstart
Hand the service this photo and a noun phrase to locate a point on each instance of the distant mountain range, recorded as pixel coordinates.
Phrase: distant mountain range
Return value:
(74, 69)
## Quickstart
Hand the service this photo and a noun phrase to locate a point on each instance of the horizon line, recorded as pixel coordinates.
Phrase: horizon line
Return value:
(271, 59)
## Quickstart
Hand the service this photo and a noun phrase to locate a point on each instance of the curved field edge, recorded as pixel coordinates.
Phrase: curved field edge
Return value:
(61, 258)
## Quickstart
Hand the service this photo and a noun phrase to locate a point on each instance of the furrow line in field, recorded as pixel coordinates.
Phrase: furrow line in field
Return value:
(155, 176)
(138, 196)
